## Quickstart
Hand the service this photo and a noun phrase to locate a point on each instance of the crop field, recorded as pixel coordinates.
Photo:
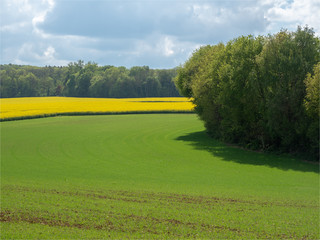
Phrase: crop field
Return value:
(33, 107)
(147, 176)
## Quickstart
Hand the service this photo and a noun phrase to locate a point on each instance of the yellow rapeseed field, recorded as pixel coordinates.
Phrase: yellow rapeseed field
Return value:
(14, 108)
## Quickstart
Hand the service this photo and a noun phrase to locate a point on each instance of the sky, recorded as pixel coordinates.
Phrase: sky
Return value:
(155, 33)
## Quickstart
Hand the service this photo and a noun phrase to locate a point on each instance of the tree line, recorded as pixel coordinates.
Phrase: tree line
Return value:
(86, 80)
(260, 92)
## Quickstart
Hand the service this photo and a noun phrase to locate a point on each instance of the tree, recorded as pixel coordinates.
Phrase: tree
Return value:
(252, 91)
(284, 62)
(28, 85)
(71, 86)
(204, 85)
(312, 105)
(190, 69)
(83, 80)
(165, 78)
(237, 97)
(140, 75)
(8, 86)
(80, 79)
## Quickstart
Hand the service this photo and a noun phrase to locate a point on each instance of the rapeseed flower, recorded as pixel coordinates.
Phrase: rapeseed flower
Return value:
(14, 108)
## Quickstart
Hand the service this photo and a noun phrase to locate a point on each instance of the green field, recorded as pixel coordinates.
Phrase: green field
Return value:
(147, 176)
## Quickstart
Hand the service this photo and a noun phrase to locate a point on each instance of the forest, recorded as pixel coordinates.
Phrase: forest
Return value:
(260, 92)
(80, 79)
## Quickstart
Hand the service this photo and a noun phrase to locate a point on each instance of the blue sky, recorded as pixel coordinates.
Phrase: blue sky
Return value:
(156, 33)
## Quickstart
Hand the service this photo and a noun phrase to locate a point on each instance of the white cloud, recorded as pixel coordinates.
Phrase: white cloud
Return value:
(208, 14)
(40, 16)
(159, 51)
(41, 54)
(49, 52)
(28, 12)
(14, 27)
(159, 33)
(166, 46)
(23, 41)
(290, 14)
(22, 6)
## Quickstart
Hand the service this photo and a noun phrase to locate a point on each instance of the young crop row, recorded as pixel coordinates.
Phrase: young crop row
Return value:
(115, 214)
(21, 108)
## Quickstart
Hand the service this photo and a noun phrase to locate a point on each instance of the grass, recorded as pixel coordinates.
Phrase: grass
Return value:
(38, 107)
(147, 176)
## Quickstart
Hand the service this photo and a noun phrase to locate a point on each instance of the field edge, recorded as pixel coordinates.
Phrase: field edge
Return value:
(94, 113)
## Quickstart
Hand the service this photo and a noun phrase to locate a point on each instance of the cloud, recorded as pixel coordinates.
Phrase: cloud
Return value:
(22, 41)
(158, 33)
(94, 18)
(186, 20)
(290, 14)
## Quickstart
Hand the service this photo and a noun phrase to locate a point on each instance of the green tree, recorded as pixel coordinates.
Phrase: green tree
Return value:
(83, 80)
(166, 81)
(28, 85)
(140, 75)
(71, 86)
(98, 87)
(237, 97)
(205, 85)
(190, 69)
(80, 79)
(284, 62)
(252, 91)
(312, 105)
(8, 86)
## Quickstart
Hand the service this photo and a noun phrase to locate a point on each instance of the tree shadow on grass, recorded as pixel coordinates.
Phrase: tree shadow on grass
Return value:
(201, 141)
